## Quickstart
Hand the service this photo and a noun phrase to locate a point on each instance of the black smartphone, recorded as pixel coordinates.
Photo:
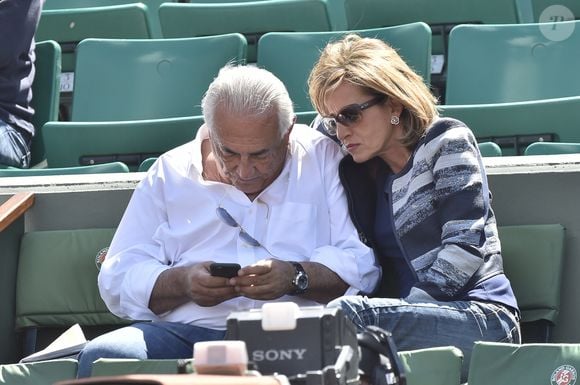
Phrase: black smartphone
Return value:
(226, 270)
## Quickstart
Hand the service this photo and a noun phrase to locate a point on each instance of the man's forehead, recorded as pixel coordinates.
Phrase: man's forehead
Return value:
(235, 129)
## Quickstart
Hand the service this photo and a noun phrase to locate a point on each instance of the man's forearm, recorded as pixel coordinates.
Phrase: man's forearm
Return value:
(169, 291)
(324, 284)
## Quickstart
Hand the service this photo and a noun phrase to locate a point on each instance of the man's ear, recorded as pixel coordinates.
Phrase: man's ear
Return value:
(287, 134)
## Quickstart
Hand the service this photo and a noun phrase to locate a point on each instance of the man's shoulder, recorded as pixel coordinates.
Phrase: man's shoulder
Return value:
(177, 160)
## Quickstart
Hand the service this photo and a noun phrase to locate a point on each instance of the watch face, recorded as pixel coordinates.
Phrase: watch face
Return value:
(302, 281)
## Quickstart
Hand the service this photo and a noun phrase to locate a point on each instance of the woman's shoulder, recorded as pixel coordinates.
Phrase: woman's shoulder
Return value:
(443, 125)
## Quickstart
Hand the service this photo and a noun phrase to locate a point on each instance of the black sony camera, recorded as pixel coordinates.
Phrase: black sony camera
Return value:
(315, 345)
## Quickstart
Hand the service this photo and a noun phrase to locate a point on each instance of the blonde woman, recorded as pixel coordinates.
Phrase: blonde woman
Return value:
(419, 196)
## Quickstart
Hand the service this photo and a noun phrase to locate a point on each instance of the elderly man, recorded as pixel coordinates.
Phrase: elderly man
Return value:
(253, 188)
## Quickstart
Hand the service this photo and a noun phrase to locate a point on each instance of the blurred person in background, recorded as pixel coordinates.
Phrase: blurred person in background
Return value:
(18, 23)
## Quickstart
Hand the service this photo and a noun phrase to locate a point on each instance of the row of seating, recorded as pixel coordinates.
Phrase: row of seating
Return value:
(68, 23)
(491, 363)
(475, 75)
(54, 276)
(143, 72)
(134, 81)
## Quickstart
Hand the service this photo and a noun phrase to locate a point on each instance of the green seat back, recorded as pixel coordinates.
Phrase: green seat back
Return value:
(484, 60)
(57, 279)
(152, 9)
(252, 19)
(530, 364)
(305, 117)
(45, 92)
(119, 366)
(148, 79)
(514, 126)
(104, 168)
(489, 149)
(38, 373)
(538, 7)
(533, 257)
(440, 15)
(291, 55)
(362, 14)
(10, 246)
(146, 164)
(131, 142)
(550, 148)
(69, 26)
(433, 366)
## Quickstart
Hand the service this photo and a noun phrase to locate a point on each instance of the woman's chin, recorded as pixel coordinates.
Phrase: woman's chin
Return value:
(359, 157)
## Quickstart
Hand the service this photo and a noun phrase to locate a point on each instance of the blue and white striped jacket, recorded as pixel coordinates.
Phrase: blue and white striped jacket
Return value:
(441, 213)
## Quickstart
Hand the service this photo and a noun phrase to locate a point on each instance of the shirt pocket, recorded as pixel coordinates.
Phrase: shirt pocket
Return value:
(293, 230)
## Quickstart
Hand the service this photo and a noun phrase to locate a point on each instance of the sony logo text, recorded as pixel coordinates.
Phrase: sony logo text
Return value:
(278, 355)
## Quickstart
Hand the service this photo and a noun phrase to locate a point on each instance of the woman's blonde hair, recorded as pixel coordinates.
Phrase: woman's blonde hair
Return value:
(376, 67)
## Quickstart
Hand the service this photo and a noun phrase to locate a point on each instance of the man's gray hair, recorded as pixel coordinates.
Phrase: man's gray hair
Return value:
(248, 90)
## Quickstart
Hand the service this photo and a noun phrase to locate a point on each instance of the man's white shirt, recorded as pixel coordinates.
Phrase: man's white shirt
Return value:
(171, 221)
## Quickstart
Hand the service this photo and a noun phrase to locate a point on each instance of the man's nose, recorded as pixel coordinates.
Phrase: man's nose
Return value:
(245, 169)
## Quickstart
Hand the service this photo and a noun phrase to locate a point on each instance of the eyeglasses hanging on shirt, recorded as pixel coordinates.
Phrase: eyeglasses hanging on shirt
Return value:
(227, 218)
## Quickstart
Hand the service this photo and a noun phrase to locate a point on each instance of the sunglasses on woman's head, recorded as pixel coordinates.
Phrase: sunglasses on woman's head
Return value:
(349, 114)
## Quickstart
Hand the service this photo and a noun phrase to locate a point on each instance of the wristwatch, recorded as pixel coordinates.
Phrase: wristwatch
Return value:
(300, 280)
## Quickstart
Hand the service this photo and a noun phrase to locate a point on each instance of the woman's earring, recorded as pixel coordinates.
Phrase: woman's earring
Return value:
(395, 120)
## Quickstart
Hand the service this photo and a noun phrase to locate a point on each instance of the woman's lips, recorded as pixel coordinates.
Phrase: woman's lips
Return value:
(351, 147)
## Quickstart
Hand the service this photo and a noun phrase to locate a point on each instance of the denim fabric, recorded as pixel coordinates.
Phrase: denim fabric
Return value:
(14, 149)
(154, 340)
(417, 325)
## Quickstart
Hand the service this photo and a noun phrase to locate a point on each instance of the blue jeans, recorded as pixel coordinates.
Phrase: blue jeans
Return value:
(418, 325)
(14, 147)
(143, 340)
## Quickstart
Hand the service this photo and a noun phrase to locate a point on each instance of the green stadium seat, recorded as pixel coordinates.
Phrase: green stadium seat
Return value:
(534, 9)
(146, 164)
(533, 257)
(70, 26)
(45, 93)
(152, 9)
(305, 117)
(253, 19)
(489, 149)
(118, 79)
(436, 366)
(362, 14)
(291, 55)
(513, 62)
(433, 366)
(131, 142)
(56, 285)
(440, 15)
(531, 364)
(514, 126)
(38, 373)
(12, 226)
(119, 366)
(552, 148)
(104, 168)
